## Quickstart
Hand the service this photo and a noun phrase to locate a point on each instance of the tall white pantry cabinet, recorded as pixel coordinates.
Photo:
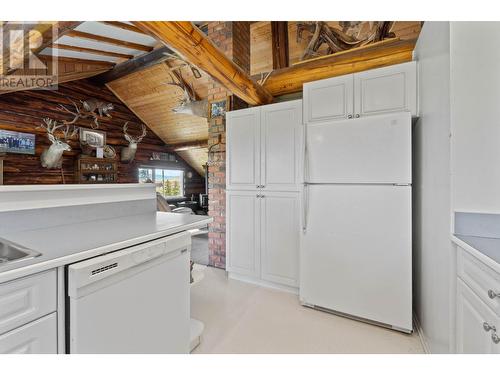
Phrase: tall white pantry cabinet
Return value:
(263, 175)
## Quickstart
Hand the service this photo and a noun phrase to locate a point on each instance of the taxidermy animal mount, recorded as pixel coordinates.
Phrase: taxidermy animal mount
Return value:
(128, 153)
(190, 104)
(51, 157)
(90, 108)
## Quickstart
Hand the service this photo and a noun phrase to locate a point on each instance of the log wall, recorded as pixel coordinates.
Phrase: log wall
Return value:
(23, 111)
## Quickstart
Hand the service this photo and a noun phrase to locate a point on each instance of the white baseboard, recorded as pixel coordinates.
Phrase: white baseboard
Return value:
(421, 334)
(263, 283)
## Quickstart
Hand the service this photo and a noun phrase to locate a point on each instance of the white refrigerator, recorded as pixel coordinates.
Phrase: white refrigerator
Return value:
(356, 241)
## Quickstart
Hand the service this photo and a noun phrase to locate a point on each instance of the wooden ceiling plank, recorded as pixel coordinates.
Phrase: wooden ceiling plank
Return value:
(123, 26)
(194, 46)
(290, 80)
(193, 145)
(136, 64)
(107, 40)
(91, 51)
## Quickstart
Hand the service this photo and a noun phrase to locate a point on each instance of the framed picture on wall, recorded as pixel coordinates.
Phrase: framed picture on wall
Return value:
(217, 108)
(16, 142)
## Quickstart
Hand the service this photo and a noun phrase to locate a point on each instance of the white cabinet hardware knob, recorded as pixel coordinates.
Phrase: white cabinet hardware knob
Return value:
(487, 327)
(493, 295)
(357, 116)
(495, 338)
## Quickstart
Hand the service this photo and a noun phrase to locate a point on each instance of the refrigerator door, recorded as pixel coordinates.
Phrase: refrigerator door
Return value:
(356, 252)
(375, 149)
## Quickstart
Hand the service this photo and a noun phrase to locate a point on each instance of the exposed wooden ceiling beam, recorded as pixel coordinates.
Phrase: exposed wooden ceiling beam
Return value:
(194, 46)
(107, 40)
(134, 65)
(376, 55)
(188, 146)
(279, 44)
(123, 26)
(91, 51)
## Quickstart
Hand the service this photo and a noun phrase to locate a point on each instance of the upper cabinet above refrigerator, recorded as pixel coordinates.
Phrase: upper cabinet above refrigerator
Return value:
(373, 92)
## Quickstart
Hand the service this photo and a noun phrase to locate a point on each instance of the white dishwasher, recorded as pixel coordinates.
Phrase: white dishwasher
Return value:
(134, 300)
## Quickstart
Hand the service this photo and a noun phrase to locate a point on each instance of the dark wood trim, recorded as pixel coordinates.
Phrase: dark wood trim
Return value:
(279, 43)
(134, 65)
(92, 51)
(107, 40)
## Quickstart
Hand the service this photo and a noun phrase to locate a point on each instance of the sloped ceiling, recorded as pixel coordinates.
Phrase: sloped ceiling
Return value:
(147, 95)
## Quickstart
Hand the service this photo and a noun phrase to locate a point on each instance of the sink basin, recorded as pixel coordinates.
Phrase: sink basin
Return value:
(11, 252)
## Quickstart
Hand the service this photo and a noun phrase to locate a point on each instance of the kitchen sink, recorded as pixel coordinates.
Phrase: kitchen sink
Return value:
(11, 252)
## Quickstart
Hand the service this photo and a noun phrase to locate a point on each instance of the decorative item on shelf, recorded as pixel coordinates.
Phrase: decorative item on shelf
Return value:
(51, 157)
(218, 107)
(163, 156)
(90, 139)
(91, 108)
(91, 170)
(128, 153)
(109, 152)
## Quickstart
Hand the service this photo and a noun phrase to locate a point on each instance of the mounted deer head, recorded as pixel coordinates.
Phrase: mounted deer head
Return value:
(128, 153)
(51, 157)
(190, 104)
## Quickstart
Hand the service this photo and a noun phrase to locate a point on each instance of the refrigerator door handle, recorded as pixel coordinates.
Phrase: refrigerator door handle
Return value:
(306, 161)
(305, 204)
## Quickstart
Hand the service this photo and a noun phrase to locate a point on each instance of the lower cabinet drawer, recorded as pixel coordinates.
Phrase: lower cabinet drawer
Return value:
(38, 337)
(483, 280)
(26, 299)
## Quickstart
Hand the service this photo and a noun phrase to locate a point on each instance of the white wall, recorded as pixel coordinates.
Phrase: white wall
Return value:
(475, 101)
(431, 187)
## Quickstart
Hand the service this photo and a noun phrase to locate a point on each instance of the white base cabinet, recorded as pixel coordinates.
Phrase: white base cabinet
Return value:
(38, 337)
(477, 319)
(263, 236)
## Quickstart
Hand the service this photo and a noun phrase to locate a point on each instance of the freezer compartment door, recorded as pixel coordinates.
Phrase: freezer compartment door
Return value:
(376, 149)
(356, 252)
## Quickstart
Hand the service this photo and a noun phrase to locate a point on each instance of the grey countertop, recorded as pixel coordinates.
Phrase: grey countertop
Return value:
(486, 246)
(71, 243)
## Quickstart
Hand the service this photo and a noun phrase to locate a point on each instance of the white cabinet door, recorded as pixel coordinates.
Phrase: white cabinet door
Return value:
(280, 237)
(38, 337)
(472, 316)
(26, 299)
(328, 99)
(243, 232)
(243, 148)
(389, 89)
(281, 145)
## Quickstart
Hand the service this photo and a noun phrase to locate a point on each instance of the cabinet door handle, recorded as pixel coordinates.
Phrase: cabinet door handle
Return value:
(487, 327)
(349, 116)
(493, 295)
(495, 338)
(357, 115)
(262, 196)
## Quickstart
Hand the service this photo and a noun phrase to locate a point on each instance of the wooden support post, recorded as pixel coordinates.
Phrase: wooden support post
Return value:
(195, 47)
(279, 43)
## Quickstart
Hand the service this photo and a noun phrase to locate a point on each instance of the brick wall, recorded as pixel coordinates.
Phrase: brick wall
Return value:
(232, 38)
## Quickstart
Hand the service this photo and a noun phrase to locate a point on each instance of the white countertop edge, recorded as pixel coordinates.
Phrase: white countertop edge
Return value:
(476, 253)
(72, 258)
(57, 187)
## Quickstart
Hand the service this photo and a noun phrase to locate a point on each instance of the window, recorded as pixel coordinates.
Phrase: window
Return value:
(169, 182)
